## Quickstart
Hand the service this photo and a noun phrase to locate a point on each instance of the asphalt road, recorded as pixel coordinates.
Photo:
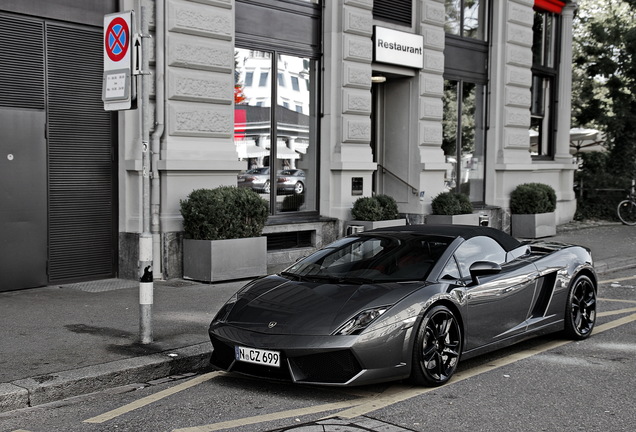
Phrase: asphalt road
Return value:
(545, 384)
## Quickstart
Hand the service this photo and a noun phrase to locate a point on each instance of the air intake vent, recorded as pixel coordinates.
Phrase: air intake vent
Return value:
(397, 11)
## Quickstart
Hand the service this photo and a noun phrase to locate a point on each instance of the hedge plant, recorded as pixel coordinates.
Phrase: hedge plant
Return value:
(532, 198)
(451, 203)
(225, 212)
(375, 208)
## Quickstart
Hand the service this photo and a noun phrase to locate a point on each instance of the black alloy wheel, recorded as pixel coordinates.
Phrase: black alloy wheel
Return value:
(580, 310)
(437, 347)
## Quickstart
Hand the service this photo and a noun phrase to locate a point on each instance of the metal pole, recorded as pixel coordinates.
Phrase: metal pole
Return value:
(145, 239)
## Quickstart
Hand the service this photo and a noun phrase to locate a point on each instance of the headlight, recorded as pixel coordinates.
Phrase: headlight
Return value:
(360, 321)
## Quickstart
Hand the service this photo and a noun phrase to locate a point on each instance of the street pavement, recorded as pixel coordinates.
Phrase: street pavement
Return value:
(66, 340)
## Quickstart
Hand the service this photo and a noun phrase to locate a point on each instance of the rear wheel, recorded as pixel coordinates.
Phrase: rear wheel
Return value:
(437, 347)
(580, 310)
(299, 188)
(627, 212)
(266, 187)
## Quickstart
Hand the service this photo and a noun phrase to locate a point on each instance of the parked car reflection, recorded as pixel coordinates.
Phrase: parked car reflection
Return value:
(257, 179)
(291, 181)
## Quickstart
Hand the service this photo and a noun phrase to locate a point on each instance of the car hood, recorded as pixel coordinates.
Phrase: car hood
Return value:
(308, 308)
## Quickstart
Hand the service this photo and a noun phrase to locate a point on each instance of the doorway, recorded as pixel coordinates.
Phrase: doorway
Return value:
(391, 119)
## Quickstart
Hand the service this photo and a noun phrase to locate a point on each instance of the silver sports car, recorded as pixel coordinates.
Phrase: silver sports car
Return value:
(406, 302)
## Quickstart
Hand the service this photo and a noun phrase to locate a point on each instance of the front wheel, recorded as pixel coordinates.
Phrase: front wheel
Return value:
(580, 310)
(437, 348)
(627, 212)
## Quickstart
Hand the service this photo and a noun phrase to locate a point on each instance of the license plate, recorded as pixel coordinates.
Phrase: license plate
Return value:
(257, 356)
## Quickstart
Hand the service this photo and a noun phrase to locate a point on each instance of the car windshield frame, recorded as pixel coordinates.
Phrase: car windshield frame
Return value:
(372, 258)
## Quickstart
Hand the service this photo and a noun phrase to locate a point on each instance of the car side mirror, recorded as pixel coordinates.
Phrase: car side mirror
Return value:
(483, 268)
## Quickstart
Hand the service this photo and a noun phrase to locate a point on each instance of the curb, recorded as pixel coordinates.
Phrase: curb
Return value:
(42, 389)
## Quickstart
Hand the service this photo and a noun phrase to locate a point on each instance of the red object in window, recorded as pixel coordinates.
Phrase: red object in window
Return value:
(240, 123)
(555, 6)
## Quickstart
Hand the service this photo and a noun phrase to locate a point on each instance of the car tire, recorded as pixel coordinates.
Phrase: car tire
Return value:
(437, 348)
(266, 187)
(580, 309)
(299, 188)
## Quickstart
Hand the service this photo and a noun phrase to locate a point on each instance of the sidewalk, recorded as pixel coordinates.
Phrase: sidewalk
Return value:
(66, 340)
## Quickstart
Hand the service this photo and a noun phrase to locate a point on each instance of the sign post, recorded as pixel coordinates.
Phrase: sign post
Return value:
(123, 59)
(118, 86)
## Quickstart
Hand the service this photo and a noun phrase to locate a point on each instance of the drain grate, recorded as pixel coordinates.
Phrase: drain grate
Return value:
(102, 285)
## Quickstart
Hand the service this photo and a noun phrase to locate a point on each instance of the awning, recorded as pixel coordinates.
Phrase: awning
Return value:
(554, 6)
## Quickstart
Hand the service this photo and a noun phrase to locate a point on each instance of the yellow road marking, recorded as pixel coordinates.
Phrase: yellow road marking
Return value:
(617, 300)
(616, 312)
(617, 279)
(355, 408)
(269, 417)
(152, 398)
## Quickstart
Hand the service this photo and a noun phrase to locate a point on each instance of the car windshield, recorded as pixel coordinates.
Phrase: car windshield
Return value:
(372, 258)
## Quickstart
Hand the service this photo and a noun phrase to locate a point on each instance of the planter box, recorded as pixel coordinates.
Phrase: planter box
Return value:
(461, 219)
(370, 225)
(533, 225)
(222, 260)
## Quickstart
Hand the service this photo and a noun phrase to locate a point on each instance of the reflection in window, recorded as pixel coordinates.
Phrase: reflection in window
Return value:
(463, 138)
(287, 146)
(544, 75)
(466, 18)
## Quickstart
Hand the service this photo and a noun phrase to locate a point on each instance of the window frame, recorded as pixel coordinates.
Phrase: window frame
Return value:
(544, 104)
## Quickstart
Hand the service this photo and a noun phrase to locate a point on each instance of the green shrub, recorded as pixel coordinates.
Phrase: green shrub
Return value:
(598, 189)
(375, 208)
(389, 207)
(532, 198)
(293, 202)
(367, 209)
(451, 203)
(225, 212)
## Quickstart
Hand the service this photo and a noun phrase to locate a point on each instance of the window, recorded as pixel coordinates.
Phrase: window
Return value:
(466, 18)
(294, 82)
(269, 134)
(249, 77)
(464, 137)
(544, 81)
(262, 82)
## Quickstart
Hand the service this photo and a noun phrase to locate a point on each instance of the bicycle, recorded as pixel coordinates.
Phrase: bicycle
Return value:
(626, 209)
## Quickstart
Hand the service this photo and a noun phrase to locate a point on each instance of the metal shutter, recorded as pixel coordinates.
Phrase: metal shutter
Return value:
(81, 229)
(22, 65)
(398, 11)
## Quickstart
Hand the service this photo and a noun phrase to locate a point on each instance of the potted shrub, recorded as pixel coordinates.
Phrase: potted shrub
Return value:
(533, 208)
(374, 212)
(452, 208)
(222, 234)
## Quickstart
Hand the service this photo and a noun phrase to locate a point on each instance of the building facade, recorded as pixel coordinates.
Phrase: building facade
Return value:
(408, 98)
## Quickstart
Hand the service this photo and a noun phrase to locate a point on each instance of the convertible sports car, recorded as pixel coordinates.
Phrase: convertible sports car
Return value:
(404, 302)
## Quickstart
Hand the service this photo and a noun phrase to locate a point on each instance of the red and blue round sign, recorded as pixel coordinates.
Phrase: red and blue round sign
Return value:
(117, 39)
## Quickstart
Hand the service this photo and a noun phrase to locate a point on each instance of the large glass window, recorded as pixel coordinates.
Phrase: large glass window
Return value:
(466, 18)
(464, 137)
(277, 143)
(544, 79)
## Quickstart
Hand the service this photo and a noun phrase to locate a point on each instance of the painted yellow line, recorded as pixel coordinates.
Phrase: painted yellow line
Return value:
(354, 408)
(617, 279)
(152, 398)
(616, 312)
(618, 300)
(383, 402)
(269, 417)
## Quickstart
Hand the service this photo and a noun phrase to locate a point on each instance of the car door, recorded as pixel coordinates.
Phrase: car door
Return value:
(497, 304)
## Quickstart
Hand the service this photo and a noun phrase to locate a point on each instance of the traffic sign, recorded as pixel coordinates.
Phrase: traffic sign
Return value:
(118, 85)
(117, 39)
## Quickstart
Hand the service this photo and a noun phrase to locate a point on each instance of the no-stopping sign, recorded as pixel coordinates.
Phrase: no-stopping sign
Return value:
(117, 89)
(117, 39)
